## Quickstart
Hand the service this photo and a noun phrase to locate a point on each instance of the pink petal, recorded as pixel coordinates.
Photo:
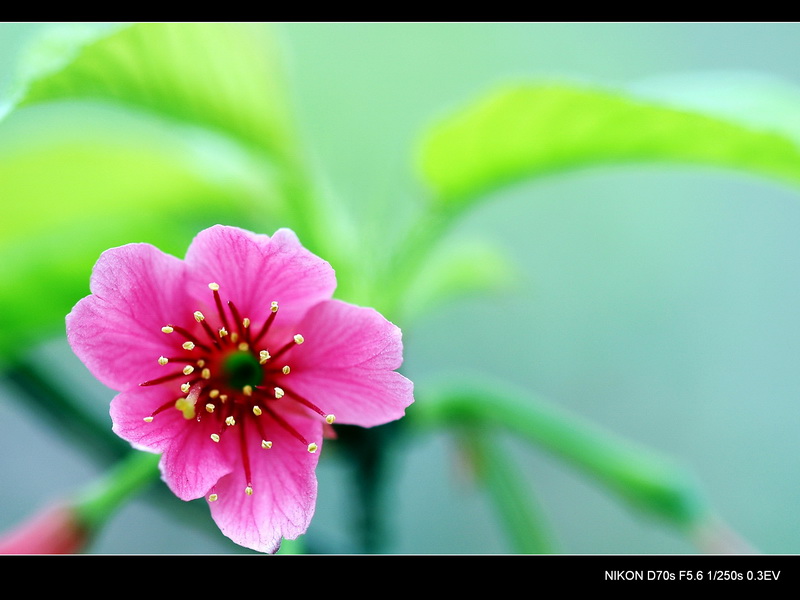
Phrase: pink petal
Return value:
(254, 270)
(191, 463)
(284, 488)
(116, 332)
(346, 364)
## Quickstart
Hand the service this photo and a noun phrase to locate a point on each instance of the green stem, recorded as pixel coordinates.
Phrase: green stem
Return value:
(647, 480)
(524, 521)
(100, 500)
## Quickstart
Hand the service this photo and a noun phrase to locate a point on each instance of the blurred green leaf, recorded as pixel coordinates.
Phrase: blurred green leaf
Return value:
(525, 131)
(455, 269)
(224, 77)
(649, 481)
(59, 215)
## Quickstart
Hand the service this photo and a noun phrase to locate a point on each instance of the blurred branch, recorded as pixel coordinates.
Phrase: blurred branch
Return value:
(645, 479)
(519, 512)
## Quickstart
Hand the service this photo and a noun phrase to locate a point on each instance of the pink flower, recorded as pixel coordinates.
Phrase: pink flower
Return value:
(231, 363)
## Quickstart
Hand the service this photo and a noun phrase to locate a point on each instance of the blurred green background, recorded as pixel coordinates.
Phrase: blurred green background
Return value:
(658, 302)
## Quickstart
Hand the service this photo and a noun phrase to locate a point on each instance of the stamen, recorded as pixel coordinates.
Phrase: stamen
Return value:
(279, 392)
(257, 410)
(148, 419)
(266, 445)
(185, 387)
(162, 379)
(212, 497)
(218, 301)
(235, 338)
(188, 345)
(243, 347)
(168, 329)
(230, 421)
(215, 437)
(205, 373)
(198, 316)
(201, 363)
(162, 360)
(223, 332)
(312, 447)
(263, 357)
(299, 339)
(191, 339)
(312, 406)
(210, 407)
(249, 490)
(245, 322)
(273, 311)
(247, 390)
(286, 369)
(213, 394)
(330, 419)
(188, 370)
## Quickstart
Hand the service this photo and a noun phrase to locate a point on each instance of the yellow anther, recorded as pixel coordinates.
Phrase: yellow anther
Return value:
(162, 360)
(223, 332)
(286, 369)
(167, 329)
(266, 445)
(330, 419)
(257, 411)
(263, 356)
(213, 286)
(245, 322)
(230, 421)
(198, 316)
(274, 307)
(185, 387)
(312, 447)
(186, 407)
(244, 346)
(247, 390)
(223, 398)
(248, 490)
(188, 345)
(215, 437)
(201, 363)
(212, 497)
(279, 392)
(188, 370)
(210, 407)
(235, 338)
(148, 419)
(205, 373)
(213, 393)
(299, 339)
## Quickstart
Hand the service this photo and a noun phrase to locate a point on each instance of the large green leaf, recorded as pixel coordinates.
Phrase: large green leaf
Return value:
(219, 76)
(66, 203)
(524, 131)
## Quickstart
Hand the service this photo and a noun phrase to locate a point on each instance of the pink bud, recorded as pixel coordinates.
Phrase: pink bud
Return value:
(54, 530)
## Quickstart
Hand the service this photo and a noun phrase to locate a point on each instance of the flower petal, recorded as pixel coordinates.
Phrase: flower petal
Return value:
(191, 463)
(284, 488)
(116, 332)
(254, 270)
(346, 364)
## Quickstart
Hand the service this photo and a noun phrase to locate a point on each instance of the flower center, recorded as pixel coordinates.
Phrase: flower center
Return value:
(228, 377)
(242, 369)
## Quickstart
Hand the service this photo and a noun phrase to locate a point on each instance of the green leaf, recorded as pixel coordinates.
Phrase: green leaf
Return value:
(59, 215)
(526, 131)
(224, 77)
(649, 481)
